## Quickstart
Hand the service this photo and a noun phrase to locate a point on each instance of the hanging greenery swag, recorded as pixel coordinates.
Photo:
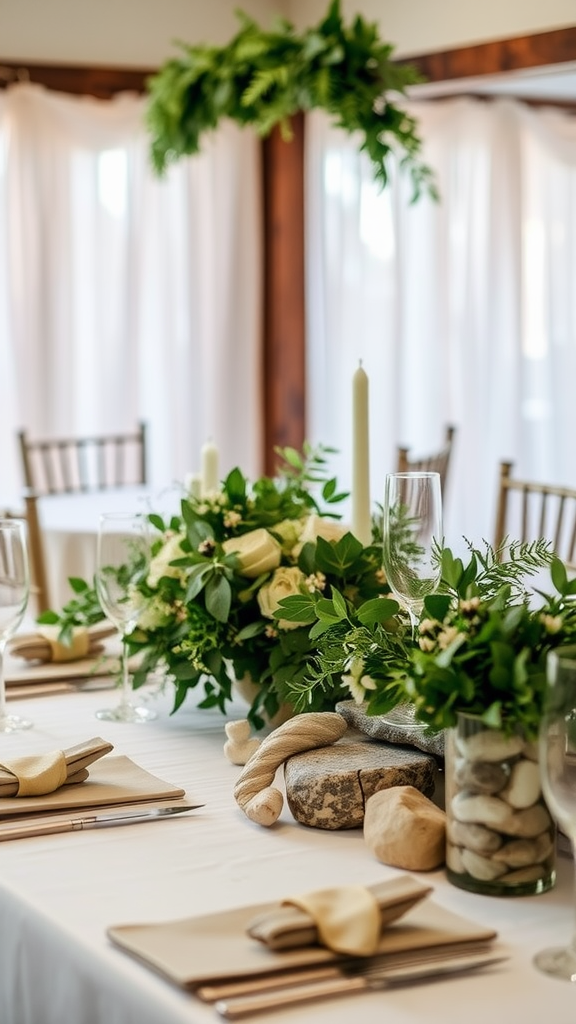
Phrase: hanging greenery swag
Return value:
(262, 78)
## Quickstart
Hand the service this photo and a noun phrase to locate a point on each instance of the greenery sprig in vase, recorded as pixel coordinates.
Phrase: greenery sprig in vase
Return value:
(481, 644)
(219, 571)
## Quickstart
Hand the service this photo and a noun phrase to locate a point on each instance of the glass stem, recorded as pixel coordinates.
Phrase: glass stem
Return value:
(573, 844)
(2, 681)
(126, 687)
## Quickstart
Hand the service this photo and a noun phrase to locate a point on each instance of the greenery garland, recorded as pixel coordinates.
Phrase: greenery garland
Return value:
(262, 78)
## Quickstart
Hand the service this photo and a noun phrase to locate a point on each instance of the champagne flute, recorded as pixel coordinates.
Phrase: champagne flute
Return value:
(14, 593)
(412, 532)
(122, 561)
(557, 755)
(412, 540)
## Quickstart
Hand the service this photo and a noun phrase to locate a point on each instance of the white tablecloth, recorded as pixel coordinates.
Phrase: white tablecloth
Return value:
(59, 893)
(70, 529)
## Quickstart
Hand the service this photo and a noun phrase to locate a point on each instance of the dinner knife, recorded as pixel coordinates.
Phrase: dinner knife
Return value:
(21, 830)
(246, 1006)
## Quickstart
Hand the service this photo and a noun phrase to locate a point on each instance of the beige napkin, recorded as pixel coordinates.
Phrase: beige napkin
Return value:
(196, 951)
(45, 646)
(39, 774)
(113, 780)
(348, 919)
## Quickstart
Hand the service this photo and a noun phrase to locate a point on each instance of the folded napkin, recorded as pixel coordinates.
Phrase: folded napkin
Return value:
(197, 951)
(45, 646)
(113, 780)
(348, 919)
(39, 774)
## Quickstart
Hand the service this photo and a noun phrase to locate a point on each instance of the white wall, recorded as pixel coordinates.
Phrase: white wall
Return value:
(136, 33)
(420, 26)
(141, 33)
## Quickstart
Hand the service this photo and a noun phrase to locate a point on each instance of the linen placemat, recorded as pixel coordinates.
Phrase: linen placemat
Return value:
(113, 780)
(197, 951)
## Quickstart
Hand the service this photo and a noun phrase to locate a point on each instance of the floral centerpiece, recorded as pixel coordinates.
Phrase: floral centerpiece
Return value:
(219, 572)
(480, 647)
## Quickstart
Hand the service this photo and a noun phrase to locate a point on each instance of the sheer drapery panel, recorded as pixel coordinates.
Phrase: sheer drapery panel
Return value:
(124, 297)
(462, 312)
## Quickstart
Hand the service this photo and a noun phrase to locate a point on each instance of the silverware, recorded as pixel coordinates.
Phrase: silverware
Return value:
(22, 830)
(348, 982)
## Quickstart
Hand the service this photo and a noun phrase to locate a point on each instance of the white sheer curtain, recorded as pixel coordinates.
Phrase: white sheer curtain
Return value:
(462, 312)
(124, 297)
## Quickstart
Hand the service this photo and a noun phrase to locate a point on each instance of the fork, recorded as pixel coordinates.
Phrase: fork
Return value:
(348, 983)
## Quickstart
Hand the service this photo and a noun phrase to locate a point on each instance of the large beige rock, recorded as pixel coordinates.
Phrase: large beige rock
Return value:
(404, 829)
(328, 787)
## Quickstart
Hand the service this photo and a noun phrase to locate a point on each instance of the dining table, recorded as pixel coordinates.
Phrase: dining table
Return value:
(70, 523)
(61, 893)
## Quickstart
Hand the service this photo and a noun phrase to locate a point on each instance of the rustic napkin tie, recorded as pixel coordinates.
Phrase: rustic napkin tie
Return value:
(39, 774)
(347, 919)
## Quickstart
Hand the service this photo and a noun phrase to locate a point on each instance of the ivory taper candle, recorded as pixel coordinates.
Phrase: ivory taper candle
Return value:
(361, 509)
(209, 465)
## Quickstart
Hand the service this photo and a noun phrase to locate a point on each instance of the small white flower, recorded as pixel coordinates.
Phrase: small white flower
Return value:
(426, 644)
(206, 547)
(428, 626)
(551, 623)
(445, 638)
(316, 581)
(232, 519)
(358, 686)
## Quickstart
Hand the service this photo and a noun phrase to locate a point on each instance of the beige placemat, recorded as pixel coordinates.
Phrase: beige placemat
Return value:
(216, 947)
(113, 780)
(19, 672)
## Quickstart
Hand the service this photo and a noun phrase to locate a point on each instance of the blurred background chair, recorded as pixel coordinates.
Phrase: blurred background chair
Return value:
(436, 463)
(39, 591)
(80, 464)
(528, 511)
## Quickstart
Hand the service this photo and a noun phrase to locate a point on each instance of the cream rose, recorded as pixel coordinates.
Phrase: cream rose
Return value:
(257, 552)
(160, 564)
(317, 526)
(286, 581)
(288, 533)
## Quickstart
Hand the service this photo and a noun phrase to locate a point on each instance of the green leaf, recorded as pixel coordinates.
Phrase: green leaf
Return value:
(559, 575)
(379, 609)
(297, 608)
(218, 596)
(437, 606)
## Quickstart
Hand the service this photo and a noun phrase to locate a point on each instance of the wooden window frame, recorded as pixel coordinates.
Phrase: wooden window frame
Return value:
(284, 312)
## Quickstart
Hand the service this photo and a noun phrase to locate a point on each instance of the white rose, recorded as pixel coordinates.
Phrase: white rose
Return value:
(257, 552)
(285, 582)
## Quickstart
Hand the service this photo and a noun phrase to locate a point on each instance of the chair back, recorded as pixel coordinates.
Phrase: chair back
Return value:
(529, 511)
(80, 464)
(38, 572)
(438, 462)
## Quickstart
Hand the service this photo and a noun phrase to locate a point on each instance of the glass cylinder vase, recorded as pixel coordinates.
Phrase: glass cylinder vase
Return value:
(501, 838)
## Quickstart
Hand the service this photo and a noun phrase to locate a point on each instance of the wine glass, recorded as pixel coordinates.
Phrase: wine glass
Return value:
(412, 540)
(122, 561)
(14, 593)
(557, 755)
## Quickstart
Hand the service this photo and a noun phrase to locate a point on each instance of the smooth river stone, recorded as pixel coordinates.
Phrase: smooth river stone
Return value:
(480, 776)
(489, 745)
(328, 787)
(404, 829)
(477, 838)
(524, 788)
